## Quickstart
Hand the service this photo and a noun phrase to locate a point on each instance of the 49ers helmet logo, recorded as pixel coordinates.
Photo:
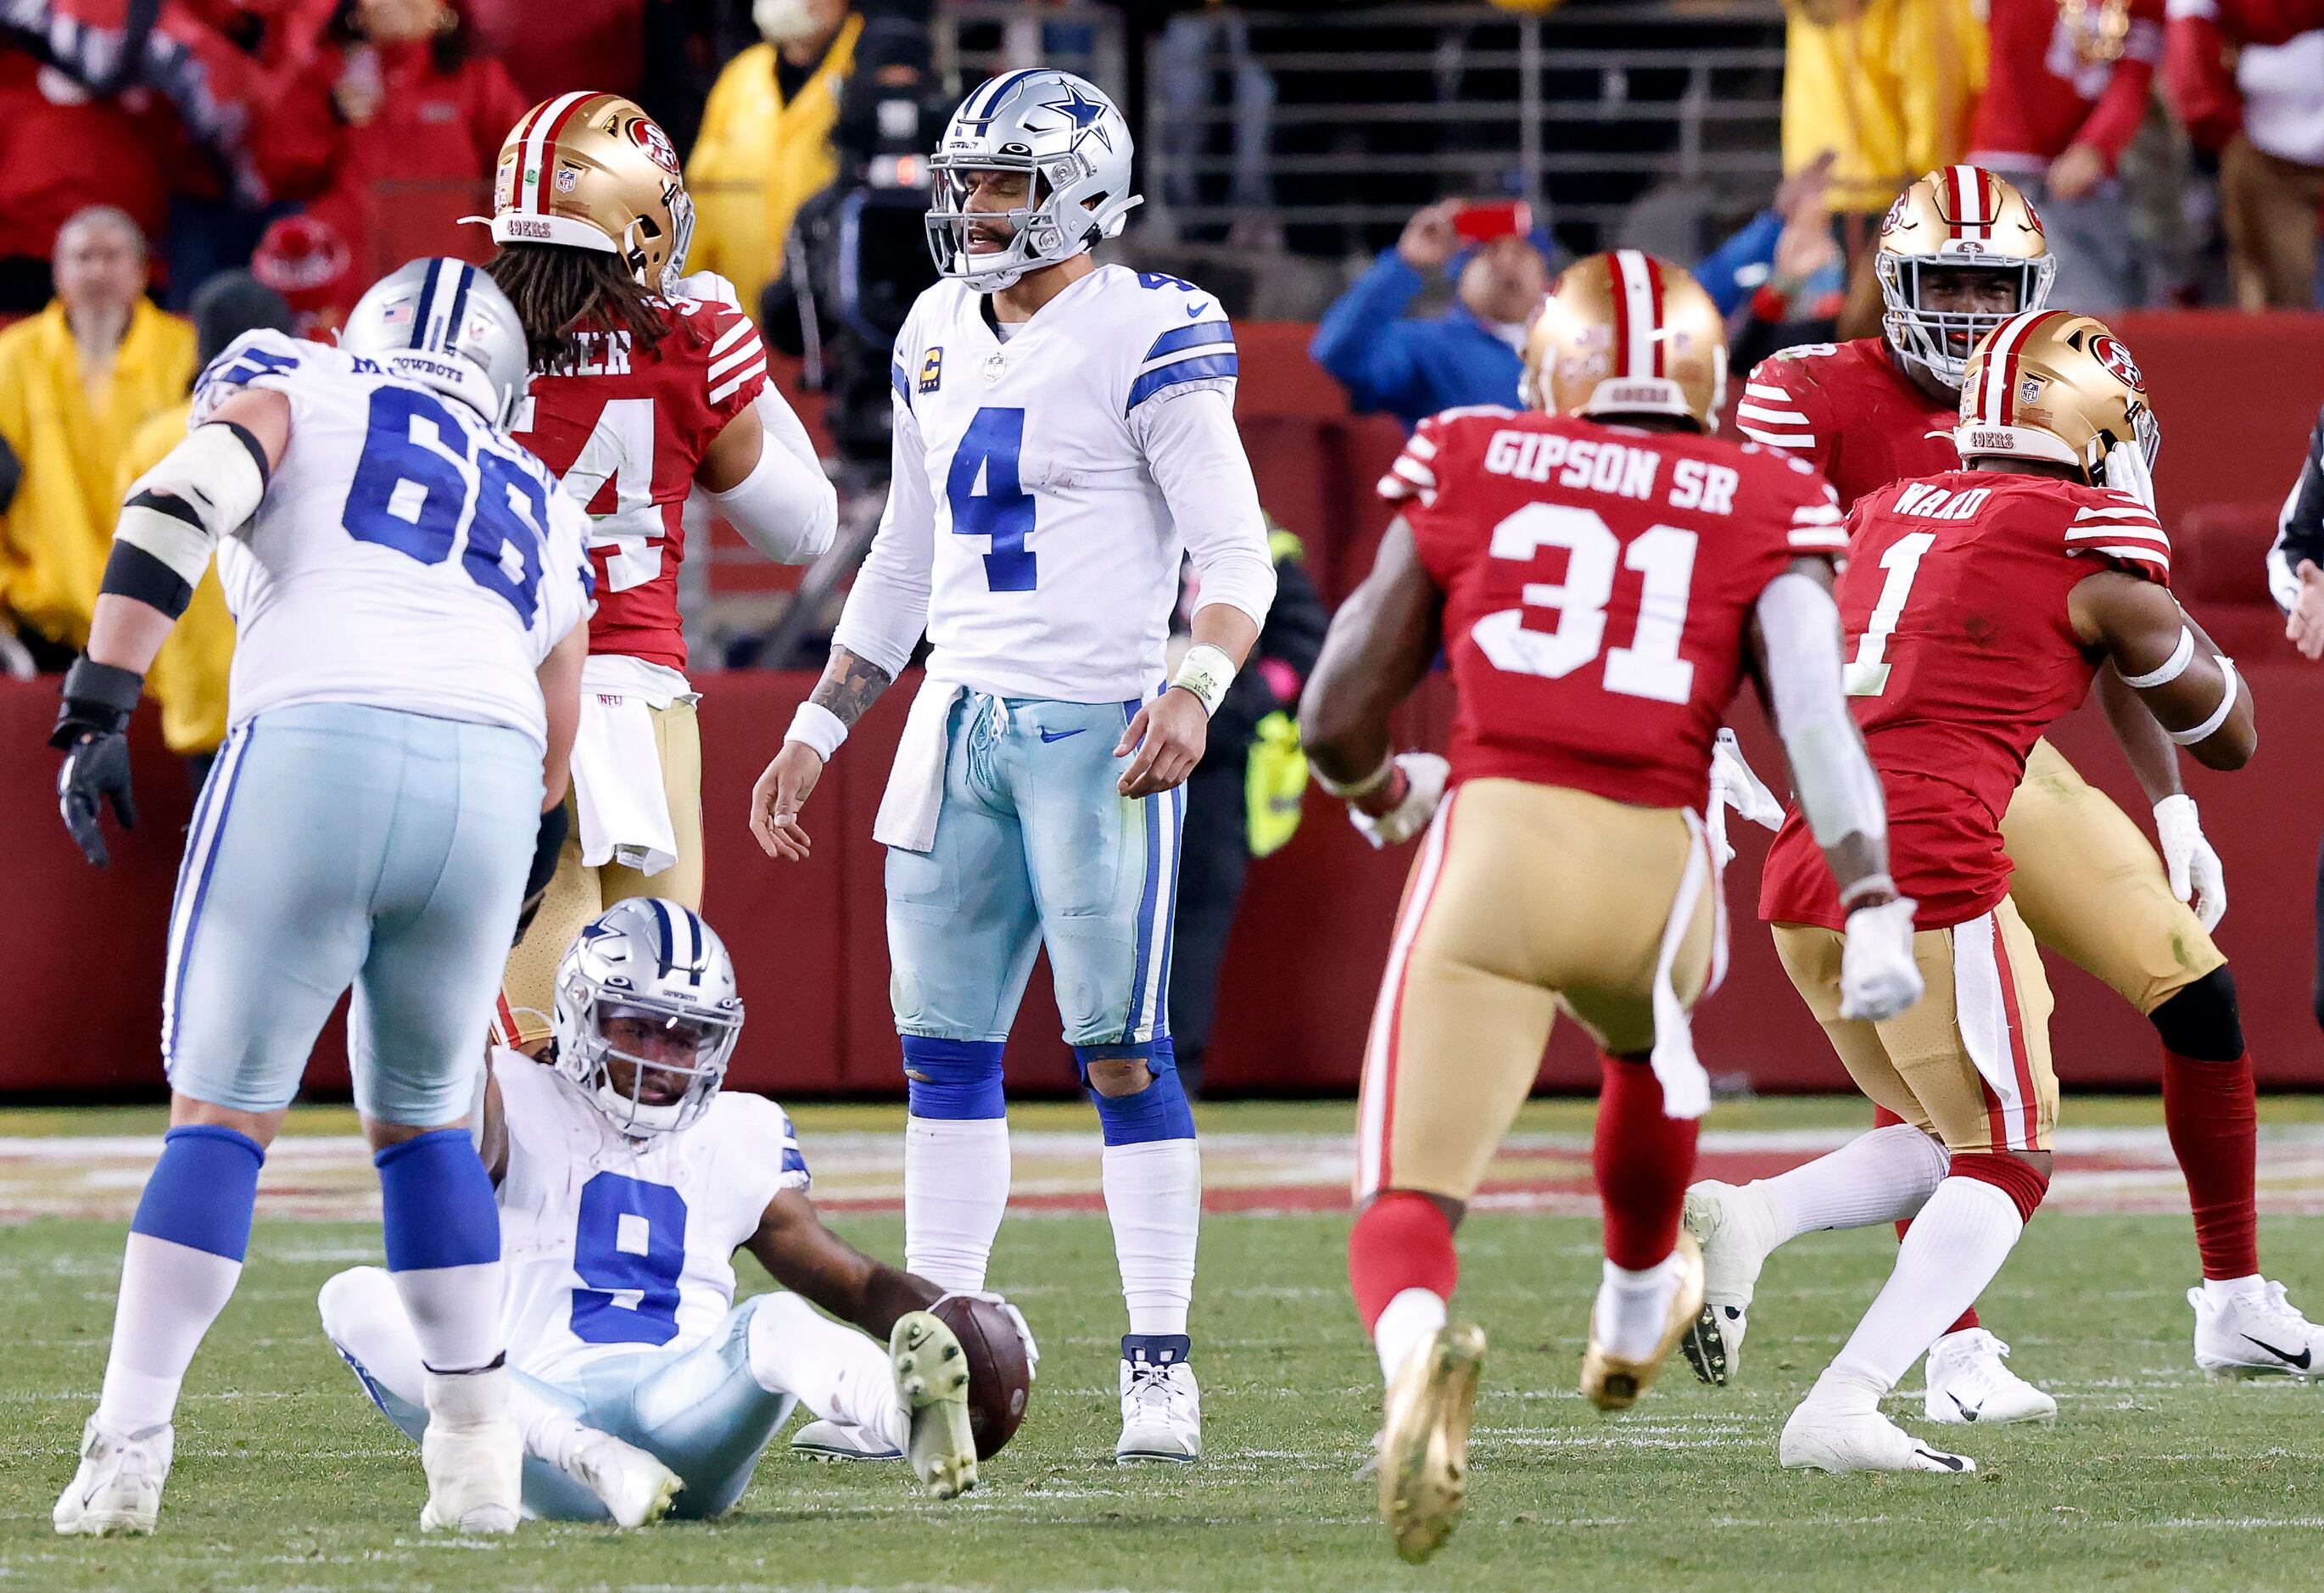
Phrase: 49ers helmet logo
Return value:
(656, 143)
(2117, 359)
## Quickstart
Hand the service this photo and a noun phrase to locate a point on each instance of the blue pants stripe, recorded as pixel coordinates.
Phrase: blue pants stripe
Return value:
(223, 780)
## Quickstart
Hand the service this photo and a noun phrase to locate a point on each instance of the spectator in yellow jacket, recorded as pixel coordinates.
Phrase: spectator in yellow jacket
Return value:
(1887, 86)
(77, 381)
(188, 677)
(765, 148)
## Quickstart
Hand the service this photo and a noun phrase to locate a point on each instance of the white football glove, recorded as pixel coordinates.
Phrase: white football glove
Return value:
(2196, 876)
(710, 286)
(1016, 1317)
(1424, 776)
(1732, 779)
(1878, 978)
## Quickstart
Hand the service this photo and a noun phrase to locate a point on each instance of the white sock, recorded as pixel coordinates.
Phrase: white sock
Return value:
(170, 1294)
(550, 1434)
(1633, 1308)
(1957, 1242)
(956, 1189)
(1840, 1388)
(1882, 1176)
(456, 1314)
(1407, 1318)
(1154, 1198)
(2219, 1291)
(840, 1374)
(469, 1399)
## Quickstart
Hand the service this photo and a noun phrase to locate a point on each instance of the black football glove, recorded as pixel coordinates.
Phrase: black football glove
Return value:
(91, 731)
(547, 843)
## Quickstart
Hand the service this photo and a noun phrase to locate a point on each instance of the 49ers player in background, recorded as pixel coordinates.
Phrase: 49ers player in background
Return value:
(648, 386)
(1960, 252)
(1979, 603)
(1604, 575)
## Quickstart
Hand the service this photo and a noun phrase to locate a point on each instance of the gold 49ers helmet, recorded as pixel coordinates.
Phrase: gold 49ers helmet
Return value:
(2054, 385)
(594, 171)
(1956, 216)
(1626, 334)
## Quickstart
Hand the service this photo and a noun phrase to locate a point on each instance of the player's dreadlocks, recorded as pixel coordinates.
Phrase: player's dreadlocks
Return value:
(560, 291)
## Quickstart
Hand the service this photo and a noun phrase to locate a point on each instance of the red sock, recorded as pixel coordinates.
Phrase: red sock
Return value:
(1643, 1162)
(2209, 1111)
(1401, 1241)
(1883, 1118)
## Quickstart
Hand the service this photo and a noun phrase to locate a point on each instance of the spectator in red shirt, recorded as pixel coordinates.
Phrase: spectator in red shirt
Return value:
(2065, 91)
(2244, 76)
(62, 150)
(417, 115)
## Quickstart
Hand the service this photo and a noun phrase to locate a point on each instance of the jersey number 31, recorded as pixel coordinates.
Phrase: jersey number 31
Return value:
(1518, 641)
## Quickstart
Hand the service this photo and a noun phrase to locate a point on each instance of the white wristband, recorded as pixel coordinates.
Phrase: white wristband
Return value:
(2169, 669)
(817, 727)
(2203, 731)
(1356, 790)
(1207, 672)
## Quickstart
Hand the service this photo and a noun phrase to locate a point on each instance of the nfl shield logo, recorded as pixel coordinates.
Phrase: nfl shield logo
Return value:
(995, 367)
(567, 178)
(2029, 390)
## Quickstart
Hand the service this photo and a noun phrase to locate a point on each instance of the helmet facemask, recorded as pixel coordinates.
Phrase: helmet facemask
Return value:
(1074, 150)
(1940, 341)
(674, 1058)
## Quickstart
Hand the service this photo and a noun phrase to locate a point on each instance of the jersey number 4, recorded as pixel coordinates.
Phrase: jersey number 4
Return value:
(628, 1247)
(621, 448)
(987, 498)
(419, 489)
(1562, 625)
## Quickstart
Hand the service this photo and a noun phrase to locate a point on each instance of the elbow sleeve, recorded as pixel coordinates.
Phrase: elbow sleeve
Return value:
(1839, 794)
(785, 508)
(201, 490)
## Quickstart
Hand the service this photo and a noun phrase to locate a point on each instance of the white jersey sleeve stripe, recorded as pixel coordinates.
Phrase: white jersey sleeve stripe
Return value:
(740, 354)
(1832, 538)
(2149, 532)
(1747, 410)
(2142, 555)
(734, 385)
(732, 336)
(1768, 390)
(1778, 440)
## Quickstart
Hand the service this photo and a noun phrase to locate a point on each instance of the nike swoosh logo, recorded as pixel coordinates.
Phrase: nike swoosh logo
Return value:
(1194, 309)
(1059, 735)
(1969, 1413)
(1950, 1462)
(2289, 1360)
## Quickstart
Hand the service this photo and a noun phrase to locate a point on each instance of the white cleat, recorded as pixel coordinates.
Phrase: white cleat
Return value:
(1822, 1438)
(932, 1380)
(1968, 1383)
(636, 1488)
(118, 1486)
(1161, 1414)
(837, 1444)
(2259, 1334)
(473, 1453)
(1737, 1233)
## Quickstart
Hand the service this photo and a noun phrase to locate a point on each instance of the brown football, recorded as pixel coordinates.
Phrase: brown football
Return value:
(1000, 1382)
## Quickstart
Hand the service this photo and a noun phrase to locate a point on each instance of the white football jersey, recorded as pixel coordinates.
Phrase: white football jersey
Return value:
(1026, 508)
(406, 555)
(613, 1245)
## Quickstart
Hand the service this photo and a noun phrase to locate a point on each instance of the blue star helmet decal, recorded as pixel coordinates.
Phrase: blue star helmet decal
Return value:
(1084, 112)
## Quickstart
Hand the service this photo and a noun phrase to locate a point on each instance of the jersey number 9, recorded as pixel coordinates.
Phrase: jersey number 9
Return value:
(629, 1246)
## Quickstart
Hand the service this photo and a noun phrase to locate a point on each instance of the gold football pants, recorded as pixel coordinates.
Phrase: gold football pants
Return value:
(577, 894)
(1525, 899)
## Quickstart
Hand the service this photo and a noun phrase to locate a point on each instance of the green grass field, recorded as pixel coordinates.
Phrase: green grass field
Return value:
(286, 1479)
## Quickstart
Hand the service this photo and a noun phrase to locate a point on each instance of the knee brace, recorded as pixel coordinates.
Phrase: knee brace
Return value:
(2199, 1022)
(1158, 1111)
(954, 1078)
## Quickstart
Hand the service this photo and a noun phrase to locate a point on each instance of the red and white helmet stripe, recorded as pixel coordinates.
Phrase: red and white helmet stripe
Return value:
(537, 133)
(1996, 400)
(1973, 200)
(1638, 314)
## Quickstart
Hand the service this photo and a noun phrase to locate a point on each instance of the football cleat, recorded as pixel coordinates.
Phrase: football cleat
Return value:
(2259, 1334)
(837, 1444)
(1161, 1413)
(1820, 1437)
(1423, 1443)
(1737, 1232)
(473, 1453)
(118, 1486)
(636, 1488)
(932, 1380)
(1968, 1383)
(1613, 1382)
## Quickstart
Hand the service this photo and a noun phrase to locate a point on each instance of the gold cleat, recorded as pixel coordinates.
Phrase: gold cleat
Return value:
(1424, 1444)
(1613, 1384)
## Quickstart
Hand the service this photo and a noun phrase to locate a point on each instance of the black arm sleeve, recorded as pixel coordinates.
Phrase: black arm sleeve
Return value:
(2300, 528)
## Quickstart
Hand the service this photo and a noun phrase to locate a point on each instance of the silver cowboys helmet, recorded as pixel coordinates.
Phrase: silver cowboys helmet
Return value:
(1074, 146)
(650, 961)
(445, 324)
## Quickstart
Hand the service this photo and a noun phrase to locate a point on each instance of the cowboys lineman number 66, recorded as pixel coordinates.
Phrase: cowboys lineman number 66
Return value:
(1064, 433)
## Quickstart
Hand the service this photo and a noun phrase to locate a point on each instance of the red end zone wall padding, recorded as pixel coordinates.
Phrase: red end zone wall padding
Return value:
(2236, 394)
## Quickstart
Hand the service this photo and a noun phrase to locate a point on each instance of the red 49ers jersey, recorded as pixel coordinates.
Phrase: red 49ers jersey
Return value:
(1598, 583)
(626, 433)
(1961, 654)
(1846, 408)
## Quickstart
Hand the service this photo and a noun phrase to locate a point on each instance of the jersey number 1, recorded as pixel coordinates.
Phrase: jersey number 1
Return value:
(989, 500)
(1516, 642)
(1868, 672)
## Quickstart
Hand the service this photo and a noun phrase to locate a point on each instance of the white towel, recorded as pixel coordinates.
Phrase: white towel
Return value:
(1686, 1088)
(617, 785)
(915, 781)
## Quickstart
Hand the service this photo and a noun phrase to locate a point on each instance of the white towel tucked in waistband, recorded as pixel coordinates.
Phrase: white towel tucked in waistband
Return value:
(915, 781)
(617, 785)
(1686, 1088)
